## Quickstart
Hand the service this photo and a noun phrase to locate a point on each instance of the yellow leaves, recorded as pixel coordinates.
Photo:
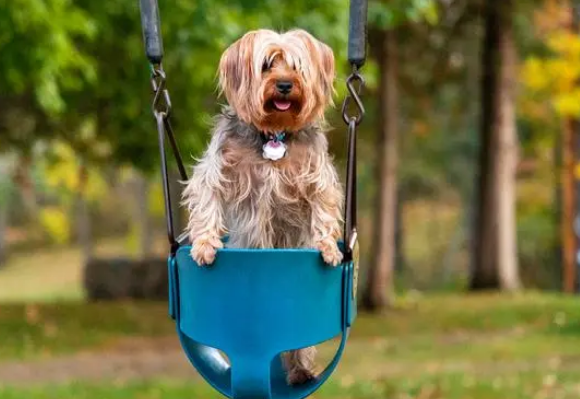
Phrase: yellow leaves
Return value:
(564, 43)
(56, 224)
(554, 79)
(567, 103)
(155, 200)
(577, 171)
(96, 186)
(534, 74)
(65, 174)
(64, 178)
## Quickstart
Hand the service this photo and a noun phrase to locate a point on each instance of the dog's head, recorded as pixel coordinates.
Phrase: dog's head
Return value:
(278, 81)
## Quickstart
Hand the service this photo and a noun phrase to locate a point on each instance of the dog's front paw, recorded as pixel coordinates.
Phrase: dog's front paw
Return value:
(204, 249)
(330, 252)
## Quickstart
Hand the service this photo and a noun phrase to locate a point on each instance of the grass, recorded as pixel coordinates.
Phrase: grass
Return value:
(432, 347)
(34, 331)
(448, 386)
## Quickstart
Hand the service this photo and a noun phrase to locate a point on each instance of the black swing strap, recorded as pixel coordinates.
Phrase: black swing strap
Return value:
(357, 42)
(151, 25)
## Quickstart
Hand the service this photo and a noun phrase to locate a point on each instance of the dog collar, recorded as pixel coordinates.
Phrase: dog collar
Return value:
(274, 147)
(279, 136)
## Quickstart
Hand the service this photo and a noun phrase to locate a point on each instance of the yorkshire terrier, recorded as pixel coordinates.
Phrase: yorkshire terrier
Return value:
(266, 178)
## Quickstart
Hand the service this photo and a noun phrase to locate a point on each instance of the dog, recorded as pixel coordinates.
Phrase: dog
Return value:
(266, 178)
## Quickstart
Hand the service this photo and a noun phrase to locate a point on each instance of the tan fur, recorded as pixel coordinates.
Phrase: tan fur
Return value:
(294, 202)
(246, 87)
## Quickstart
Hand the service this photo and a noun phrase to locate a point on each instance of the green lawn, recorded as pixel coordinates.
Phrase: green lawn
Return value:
(433, 347)
(527, 385)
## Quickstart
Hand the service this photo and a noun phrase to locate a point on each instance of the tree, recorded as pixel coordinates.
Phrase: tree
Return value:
(379, 287)
(495, 255)
(551, 101)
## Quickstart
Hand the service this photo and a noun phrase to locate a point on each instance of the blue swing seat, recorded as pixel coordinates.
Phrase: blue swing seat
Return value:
(253, 305)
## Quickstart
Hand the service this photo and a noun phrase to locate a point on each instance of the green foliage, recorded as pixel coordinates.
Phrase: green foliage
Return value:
(195, 35)
(37, 40)
(84, 60)
(40, 59)
(388, 14)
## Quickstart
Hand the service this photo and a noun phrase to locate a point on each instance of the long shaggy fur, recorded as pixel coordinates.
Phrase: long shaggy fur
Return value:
(294, 202)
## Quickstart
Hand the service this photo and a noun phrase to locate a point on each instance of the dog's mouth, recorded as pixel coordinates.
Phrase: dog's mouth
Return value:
(282, 105)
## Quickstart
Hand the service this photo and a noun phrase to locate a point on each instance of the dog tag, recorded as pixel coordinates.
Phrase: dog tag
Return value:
(274, 150)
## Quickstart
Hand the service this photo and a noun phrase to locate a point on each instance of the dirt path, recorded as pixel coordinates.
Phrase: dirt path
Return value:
(134, 359)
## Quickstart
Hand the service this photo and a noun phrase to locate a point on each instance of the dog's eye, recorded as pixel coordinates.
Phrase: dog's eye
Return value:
(265, 66)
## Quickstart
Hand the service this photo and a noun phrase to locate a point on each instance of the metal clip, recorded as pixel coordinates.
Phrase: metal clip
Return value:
(354, 94)
(161, 100)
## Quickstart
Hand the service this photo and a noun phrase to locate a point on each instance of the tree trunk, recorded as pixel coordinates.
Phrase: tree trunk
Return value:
(568, 207)
(5, 197)
(83, 217)
(569, 195)
(141, 215)
(379, 284)
(3, 228)
(24, 182)
(495, 249)
(399, 234)
(507, 157)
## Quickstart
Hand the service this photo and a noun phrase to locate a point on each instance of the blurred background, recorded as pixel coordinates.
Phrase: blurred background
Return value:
(467, 182)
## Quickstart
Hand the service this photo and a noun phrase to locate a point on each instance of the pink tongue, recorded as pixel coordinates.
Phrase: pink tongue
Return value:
(282, 105)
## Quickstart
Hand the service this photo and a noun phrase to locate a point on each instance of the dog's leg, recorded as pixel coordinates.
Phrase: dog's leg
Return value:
(300, 365)
(326, 202)
(326, 214)
(203, 199)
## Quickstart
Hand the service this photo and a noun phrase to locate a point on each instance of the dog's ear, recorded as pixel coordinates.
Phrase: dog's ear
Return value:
(322, 56)
(327, 68)
(236, 69)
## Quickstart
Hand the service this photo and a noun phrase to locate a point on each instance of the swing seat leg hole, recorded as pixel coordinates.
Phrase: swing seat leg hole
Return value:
(306, 364)
(300, 365)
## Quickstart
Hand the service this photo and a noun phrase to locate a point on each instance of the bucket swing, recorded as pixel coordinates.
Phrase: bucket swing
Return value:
(254, 304)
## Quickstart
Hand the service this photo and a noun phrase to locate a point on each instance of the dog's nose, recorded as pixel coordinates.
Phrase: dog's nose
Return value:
(284, 86)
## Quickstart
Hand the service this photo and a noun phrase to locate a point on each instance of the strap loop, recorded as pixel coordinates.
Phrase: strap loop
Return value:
(151, 25)
(357, 32)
